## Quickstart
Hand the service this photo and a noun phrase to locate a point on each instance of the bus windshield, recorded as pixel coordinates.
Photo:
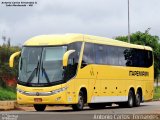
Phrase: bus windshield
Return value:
(41, 65)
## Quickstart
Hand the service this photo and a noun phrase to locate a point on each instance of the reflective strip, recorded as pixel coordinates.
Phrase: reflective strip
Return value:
(100, 99)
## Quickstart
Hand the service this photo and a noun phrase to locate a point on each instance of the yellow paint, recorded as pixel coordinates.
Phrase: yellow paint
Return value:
(47, 40)
(99, 80)
(11, 60)
(65, 57)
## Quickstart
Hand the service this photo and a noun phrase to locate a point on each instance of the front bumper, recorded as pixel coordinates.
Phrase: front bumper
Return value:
(48, 95)
(59, 98)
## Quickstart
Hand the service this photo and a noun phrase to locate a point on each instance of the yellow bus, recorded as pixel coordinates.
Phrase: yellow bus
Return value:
(78, 70)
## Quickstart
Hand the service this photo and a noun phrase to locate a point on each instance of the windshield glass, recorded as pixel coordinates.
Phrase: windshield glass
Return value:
(41, 65)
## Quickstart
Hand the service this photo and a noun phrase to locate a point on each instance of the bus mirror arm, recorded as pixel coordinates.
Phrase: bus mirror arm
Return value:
(11, 59)
(66, 56)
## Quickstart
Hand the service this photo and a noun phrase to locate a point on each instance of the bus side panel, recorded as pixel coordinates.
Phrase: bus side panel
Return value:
(86, 79)
(116, 81)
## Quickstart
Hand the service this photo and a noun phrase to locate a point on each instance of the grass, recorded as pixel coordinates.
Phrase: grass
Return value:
(156, 95)
(7, 94)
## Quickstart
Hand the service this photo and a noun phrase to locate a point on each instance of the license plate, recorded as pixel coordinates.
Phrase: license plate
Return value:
(37, 99)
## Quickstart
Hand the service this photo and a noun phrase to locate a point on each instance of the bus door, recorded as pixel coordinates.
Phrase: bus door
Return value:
(87, 70)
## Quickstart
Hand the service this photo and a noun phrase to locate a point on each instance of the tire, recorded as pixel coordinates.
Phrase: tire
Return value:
(130, 102)
(39, 107)
(137, 99)
(97, 105)
(79, 106)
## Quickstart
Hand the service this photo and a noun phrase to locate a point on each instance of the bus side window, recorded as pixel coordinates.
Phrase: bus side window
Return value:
(148, 58)
(121, 56)
(88, 55)
(100, 54)
(112, 55)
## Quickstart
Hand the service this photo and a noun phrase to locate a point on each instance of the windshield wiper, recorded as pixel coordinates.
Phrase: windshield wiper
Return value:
(45, 73)
(35, 71)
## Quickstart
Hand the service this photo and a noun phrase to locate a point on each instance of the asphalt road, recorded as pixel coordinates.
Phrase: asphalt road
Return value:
(150, 110)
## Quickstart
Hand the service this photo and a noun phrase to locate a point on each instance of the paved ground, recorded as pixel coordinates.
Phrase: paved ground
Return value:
(156, 84)
(66, 113)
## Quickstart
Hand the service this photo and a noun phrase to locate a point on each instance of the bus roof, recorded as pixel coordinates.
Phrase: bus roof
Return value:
(61, 39)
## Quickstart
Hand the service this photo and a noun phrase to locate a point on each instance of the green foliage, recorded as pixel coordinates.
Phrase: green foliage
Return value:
(156, 95)
(147, 39)
(7, 94)
(5, 71)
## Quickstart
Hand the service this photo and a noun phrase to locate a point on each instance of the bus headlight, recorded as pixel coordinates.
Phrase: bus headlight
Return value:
(59, 90)
(20, 91)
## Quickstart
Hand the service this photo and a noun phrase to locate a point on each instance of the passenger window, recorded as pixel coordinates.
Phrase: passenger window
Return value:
(88, 55)
(112, 55)
(121, 56)
(100, 54)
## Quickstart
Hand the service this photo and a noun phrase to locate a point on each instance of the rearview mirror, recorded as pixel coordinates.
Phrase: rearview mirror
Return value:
(66, 56)
(11, 59)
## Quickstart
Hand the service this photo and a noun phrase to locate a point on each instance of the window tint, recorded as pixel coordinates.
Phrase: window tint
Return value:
(88, 54)
(118, 56)
(100, 54)
(74, 57)
(112, 55)
(148, 58)
(73, 60)
(122, 56)
(138, 58)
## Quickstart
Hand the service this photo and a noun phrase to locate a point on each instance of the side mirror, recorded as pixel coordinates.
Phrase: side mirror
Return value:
(11, 59)
(66, 56)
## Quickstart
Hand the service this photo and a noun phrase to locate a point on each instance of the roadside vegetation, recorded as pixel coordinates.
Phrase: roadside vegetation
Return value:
(8, 75)
(156, 95)
(7, 93)
(145, 38)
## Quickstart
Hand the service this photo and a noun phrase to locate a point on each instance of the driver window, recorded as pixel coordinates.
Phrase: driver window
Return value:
(73, 60)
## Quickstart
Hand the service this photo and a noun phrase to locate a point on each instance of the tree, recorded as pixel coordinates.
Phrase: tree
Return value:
(147, 39)
(7, 73)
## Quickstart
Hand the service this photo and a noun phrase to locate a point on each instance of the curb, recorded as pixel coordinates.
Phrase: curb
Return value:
(7, 105)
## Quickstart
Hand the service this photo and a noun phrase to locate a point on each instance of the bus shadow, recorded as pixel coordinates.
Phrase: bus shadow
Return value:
(90, 109)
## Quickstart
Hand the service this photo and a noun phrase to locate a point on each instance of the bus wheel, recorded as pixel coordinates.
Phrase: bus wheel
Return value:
(80, 104)
(137, 99)
(39, 107)
(130, 101)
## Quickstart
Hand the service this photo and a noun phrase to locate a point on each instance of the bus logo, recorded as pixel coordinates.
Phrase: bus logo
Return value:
(138, 73)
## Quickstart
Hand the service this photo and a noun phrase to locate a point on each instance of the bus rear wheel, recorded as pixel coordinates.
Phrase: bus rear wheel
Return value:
(79, 106)
(130, 101)
(39, 107)
(137, 99)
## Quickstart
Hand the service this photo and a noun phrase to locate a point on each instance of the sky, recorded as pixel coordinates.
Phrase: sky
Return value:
(106, 18)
